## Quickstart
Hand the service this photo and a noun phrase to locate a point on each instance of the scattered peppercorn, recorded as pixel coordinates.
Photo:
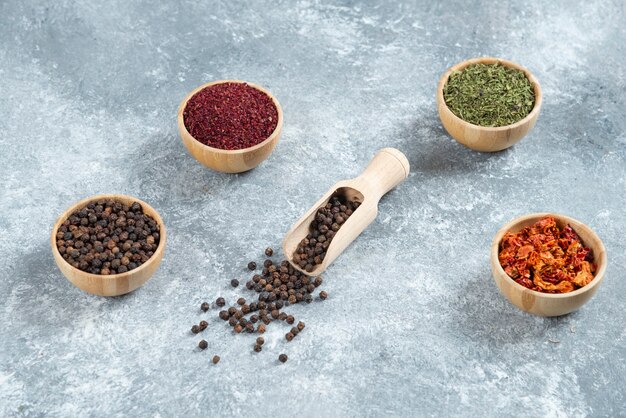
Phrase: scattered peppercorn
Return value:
(203, 325)
(216, 359)
(269, 251)
(251, 265)
(195, 329)
(203, 344)
(234, 282)
(108, 237)
(283, 358)
(205, 306)
(278, 286)
(323, 295)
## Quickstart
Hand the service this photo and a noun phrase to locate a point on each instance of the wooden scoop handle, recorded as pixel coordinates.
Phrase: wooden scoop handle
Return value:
(388, 168)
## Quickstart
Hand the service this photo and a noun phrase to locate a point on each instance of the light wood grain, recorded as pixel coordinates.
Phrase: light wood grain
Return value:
(481, 138)
(388, 168)
(229, 161)
(545, 304)
(112, 284)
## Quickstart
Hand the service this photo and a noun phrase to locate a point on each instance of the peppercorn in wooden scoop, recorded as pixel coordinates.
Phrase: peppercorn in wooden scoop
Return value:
(325, 230)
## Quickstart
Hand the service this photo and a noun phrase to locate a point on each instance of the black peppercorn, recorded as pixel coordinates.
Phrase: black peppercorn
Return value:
(203, 325)
(252, 265)
(203, 344)
(195, 329)
(300, 326)
(234, 282)
(205, 306)
(220, 302)
(224, 315)
(216, 359)
(289, 336)
(260, 340)
(241, 301)
(282, 358)
(257, 348)
(269, 251)
(323, 295)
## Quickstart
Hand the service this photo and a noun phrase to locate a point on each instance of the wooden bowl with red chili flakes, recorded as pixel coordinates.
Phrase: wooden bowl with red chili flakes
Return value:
(230, 126)
(547, 264)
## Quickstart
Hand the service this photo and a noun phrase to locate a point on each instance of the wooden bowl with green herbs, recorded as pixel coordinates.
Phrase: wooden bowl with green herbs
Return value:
(538, 302)
(488, 104)
(230, 160)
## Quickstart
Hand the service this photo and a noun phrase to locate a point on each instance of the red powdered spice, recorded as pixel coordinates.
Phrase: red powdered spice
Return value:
(230, 116)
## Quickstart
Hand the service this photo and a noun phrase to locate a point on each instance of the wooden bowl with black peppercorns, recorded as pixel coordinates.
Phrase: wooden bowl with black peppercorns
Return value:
(109, 233)
(235, 116)
(538, 302)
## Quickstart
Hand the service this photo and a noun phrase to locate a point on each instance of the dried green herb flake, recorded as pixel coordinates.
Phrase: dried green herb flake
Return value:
(489, 95)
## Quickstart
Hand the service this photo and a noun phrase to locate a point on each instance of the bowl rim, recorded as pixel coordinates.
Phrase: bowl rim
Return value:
(84, 202)
(495, 247)
(492, 60)
(270, 138)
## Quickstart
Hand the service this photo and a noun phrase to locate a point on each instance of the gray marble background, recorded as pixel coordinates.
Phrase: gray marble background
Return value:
(414, 325)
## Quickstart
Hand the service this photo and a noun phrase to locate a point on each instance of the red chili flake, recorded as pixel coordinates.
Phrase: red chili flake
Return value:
(547, 259)
(230, 116)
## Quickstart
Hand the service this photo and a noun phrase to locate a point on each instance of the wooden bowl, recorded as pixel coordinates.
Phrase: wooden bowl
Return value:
(110, 284)
(482, 138)
(547, 304)
(229, 161)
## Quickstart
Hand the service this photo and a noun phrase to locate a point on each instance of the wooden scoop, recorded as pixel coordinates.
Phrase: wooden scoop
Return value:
(388, 168)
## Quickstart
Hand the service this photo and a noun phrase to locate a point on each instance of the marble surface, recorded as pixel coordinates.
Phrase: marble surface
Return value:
(414, 325)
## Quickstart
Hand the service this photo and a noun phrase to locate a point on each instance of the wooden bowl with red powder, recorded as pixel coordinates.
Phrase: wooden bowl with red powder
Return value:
(230, 126)
(555, 263)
